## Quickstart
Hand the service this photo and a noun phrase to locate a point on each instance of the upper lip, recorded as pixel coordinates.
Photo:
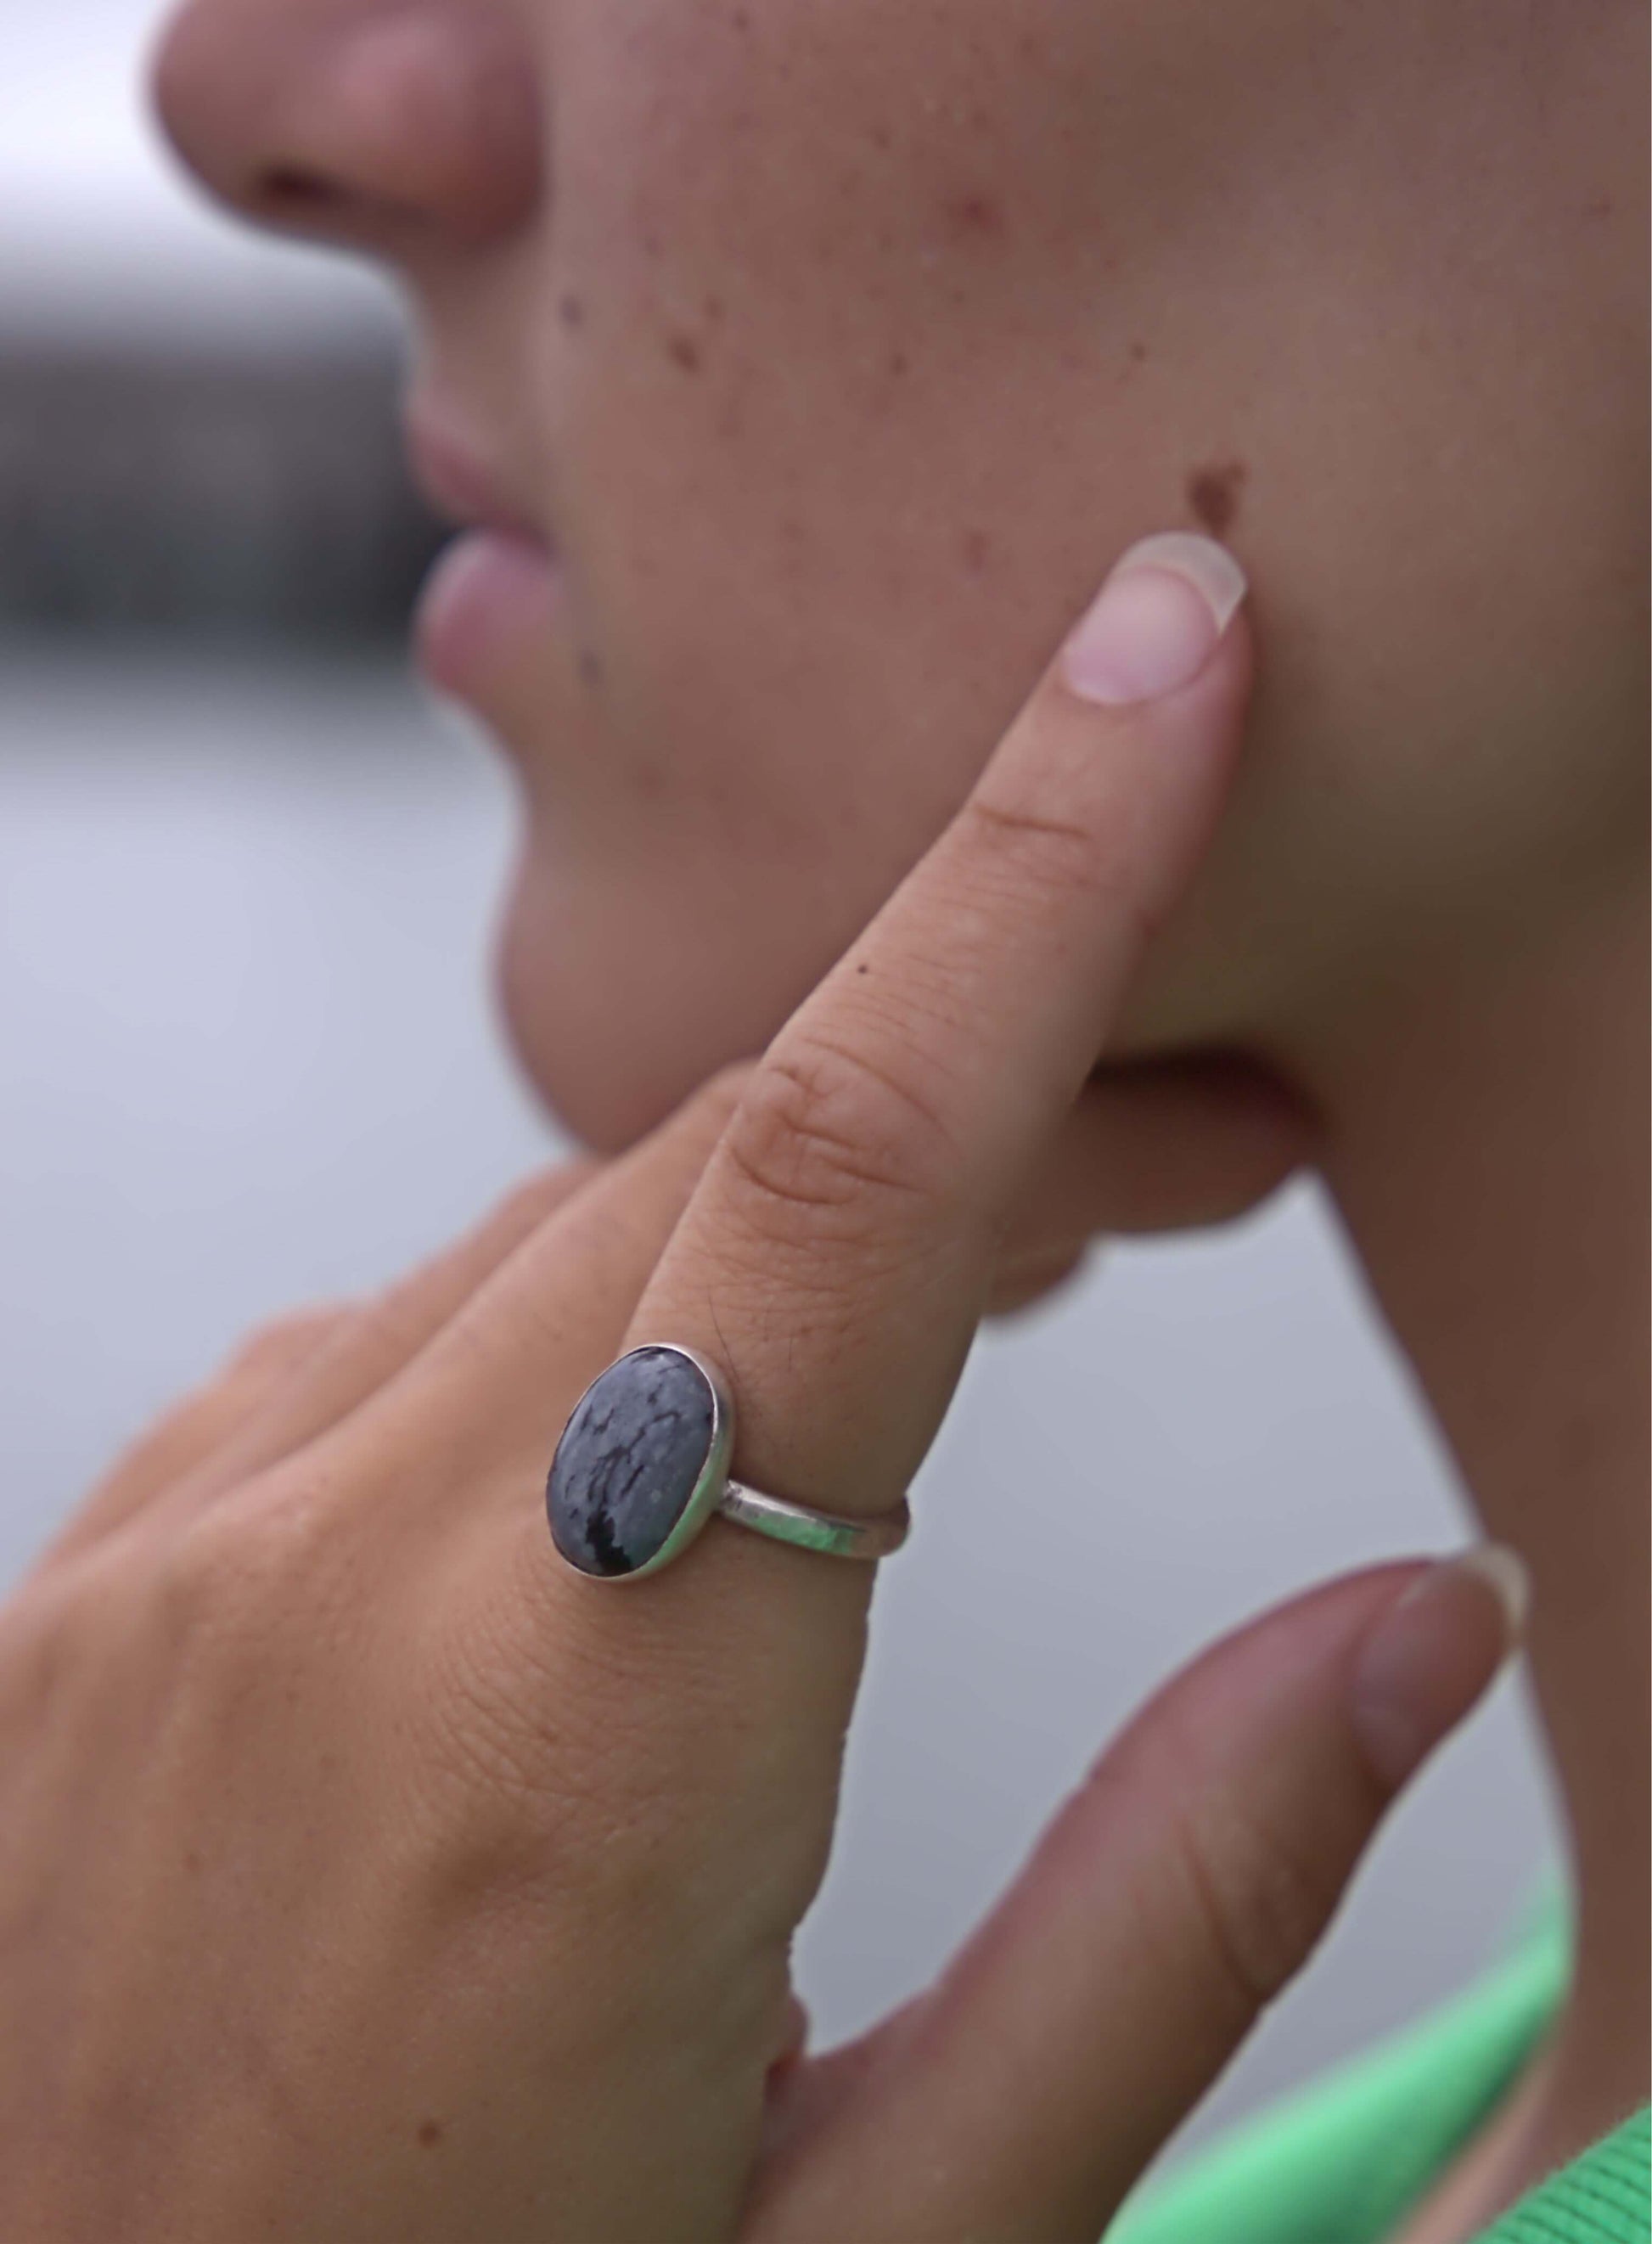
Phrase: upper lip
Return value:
(454, 476)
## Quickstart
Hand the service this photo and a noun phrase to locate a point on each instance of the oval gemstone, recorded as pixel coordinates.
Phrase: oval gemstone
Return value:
(628, 1460)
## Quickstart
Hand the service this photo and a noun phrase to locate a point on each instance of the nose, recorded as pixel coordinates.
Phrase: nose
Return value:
(402, 127)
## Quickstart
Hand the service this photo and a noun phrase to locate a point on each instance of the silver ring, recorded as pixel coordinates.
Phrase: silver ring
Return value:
(643, 1462)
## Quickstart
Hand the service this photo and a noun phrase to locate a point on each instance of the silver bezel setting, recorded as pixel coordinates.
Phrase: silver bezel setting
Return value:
(778, 1519)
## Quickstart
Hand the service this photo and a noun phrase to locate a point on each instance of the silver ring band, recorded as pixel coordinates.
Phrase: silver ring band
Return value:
(643, 1462)
(823, 1532)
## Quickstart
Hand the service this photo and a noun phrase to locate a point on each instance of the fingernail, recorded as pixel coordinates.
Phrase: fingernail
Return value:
(1435, 1653)
(1166, 602)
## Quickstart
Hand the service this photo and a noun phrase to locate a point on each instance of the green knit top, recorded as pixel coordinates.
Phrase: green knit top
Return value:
(1345, 2161)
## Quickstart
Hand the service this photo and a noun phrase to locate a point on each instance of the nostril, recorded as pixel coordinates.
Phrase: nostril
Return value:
(392, 127)
(303, 200)
(286, 188)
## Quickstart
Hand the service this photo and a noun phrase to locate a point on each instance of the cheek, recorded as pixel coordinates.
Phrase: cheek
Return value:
(805, 436)
(847, 401)
(788, 591)
(868, 336)
(790, 351)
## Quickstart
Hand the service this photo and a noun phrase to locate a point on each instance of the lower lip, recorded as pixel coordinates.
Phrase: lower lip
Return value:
(491, 594)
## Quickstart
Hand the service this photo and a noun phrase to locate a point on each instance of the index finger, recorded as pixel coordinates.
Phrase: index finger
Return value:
(835, 1259)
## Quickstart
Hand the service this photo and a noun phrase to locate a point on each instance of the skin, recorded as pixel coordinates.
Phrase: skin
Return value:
(465, 1909)
(839, 350)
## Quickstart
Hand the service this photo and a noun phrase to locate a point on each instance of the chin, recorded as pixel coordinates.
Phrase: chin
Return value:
(613, 1030)
(584, 1073)
(621, 993)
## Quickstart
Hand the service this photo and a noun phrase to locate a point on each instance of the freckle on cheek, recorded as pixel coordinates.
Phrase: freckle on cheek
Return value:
(973, 213)
(684, 351)
(570, 311)
(590, 667)
(976, 548)
(1213, 494)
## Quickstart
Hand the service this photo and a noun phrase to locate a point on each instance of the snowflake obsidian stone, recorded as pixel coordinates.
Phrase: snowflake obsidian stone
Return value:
(635, 1460)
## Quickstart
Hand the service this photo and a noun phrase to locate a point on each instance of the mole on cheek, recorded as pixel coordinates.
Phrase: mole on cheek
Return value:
(1213, 494)
(429, 2132)
(684, 351)
(975, 214)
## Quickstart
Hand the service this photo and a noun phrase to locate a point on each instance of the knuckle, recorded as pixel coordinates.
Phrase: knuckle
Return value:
(530, 1201)
(205, 1577)
(1030, 852)
(1261, 1905)
(719, 1096)
(825, 1136)
(283, 1343)
(239, 1569)
(38, 1648)
(71, 1645)
(697, 1125)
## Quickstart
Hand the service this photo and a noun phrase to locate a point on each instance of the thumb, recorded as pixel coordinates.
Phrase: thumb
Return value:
(1174, 1896)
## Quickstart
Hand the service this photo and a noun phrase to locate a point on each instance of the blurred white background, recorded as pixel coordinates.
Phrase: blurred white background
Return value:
(100, 236)
(249, 1058)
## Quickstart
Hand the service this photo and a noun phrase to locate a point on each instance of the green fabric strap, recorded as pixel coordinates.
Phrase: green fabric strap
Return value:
(1345, 2160)
(1600, 2199)
(1340, 2161)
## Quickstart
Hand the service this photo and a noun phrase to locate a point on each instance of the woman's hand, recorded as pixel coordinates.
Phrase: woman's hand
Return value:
(367, 1873)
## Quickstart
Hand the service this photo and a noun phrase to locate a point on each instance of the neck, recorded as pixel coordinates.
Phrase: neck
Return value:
(1491, 1168)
